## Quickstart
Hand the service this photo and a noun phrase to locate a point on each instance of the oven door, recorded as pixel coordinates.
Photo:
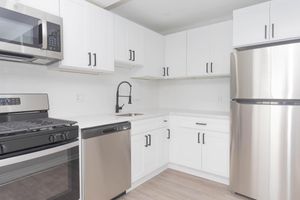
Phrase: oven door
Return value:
(51, 174)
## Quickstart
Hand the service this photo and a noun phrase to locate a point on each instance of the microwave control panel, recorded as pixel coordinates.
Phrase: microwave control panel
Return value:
(54, 37)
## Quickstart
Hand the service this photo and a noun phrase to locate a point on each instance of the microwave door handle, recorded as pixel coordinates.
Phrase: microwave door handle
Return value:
(44, 35)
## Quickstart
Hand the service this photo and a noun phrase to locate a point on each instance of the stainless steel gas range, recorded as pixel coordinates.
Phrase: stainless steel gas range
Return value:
(39, 156)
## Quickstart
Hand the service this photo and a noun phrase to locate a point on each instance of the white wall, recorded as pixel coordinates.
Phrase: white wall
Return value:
(208, 95)
(76, 94)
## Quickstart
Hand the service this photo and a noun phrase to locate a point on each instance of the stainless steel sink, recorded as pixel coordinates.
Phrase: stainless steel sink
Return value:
(130, 115)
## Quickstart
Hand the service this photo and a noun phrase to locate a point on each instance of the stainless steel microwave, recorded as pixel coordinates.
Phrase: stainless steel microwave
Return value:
(29, 35)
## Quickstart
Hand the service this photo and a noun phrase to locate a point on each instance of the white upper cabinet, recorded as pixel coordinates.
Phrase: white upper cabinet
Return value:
(74, 35)
(100, 38)
(129, 43)
(49, 6)
(208, 50)
(175, 55)
(285, 19)
(88, 36)
(154, 55)
(251, 25)
(199, 51)
(268, 22)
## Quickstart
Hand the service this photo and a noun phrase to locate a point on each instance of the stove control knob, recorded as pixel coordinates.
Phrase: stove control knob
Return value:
(3, 149)
(63, 136)
(52, 138)
(67, 135)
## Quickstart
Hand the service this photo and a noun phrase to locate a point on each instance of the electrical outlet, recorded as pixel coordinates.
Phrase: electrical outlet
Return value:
(79, 98)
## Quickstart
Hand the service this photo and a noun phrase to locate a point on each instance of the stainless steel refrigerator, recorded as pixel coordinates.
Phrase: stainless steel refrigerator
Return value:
(265, 114)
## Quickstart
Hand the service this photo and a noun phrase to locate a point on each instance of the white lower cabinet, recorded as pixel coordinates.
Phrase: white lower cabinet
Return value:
(201, 148)
(199, 144)
(215, 153)
(186, 148)
(138, 143)
(149, 151)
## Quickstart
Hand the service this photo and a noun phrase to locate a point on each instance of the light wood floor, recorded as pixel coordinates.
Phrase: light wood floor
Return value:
(174, 185)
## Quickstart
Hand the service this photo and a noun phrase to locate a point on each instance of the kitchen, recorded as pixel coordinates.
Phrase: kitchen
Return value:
(179, 88)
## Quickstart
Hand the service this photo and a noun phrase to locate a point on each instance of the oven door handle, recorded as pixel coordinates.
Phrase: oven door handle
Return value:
(38, 154)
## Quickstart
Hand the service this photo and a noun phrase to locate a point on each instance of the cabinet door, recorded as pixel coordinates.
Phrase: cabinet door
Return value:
(122, 53)
(186, 148)
(215, 153)
(99, 27)
(75, 43)
(49, 6)
(138, 143)
(285, 19)
(151, 161)
(154, 55)
(251, 25)
(163, 147)
(199, 51)
(221, 48)
(136, 43)
(175, 53)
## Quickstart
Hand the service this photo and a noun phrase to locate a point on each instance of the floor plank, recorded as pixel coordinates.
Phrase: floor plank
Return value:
(174, 185)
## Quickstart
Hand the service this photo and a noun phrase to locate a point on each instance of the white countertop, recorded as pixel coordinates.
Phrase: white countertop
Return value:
(104, 119)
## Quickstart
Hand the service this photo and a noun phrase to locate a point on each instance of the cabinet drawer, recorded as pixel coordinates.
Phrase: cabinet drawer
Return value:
(221, 125)
(145, 125)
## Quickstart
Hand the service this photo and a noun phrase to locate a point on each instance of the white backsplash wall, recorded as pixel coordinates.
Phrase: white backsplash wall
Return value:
(195, 94)
(74, 94)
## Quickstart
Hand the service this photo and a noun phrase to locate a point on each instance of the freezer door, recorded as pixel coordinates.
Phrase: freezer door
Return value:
(285, 62)
(265, 151)
(249, 150)
(251, 75)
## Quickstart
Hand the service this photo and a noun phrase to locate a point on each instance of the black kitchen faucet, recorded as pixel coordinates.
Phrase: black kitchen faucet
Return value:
(118, 108)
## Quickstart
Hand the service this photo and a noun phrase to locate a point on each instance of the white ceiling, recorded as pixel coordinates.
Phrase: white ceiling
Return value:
(166, 16)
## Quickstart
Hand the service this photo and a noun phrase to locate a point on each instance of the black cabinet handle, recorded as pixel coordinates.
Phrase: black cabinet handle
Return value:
(95, 60)
(133, 56)
(206, 67)
(169, 134)
(150, 140)
(203, 138)
(146, 145)
(266, 32)
(199, 138)
(167, 71)
(164, 70)
(211, 67)
(90, 58)
(130, 54)
(201, 124)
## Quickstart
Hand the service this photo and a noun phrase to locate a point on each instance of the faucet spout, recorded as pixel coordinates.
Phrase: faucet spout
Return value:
(118, 107)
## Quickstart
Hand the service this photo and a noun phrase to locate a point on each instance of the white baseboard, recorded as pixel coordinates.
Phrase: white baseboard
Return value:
(197, 173)
(147, 178)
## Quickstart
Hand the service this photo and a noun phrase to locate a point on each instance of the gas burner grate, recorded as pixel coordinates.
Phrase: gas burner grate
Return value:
(14, 127)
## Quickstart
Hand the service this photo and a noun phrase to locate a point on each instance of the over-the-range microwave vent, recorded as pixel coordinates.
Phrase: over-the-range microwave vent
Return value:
(17, 57)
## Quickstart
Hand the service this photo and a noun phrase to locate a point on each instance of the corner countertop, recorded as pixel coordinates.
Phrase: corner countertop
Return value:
(104, 119)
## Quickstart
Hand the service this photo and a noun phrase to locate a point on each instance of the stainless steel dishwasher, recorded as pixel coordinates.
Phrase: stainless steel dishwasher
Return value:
(106, 156)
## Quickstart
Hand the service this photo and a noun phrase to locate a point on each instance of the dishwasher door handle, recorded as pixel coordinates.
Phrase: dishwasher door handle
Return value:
(111, 130)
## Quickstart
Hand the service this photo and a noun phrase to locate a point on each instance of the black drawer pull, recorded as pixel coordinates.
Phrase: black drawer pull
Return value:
(201, 124)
